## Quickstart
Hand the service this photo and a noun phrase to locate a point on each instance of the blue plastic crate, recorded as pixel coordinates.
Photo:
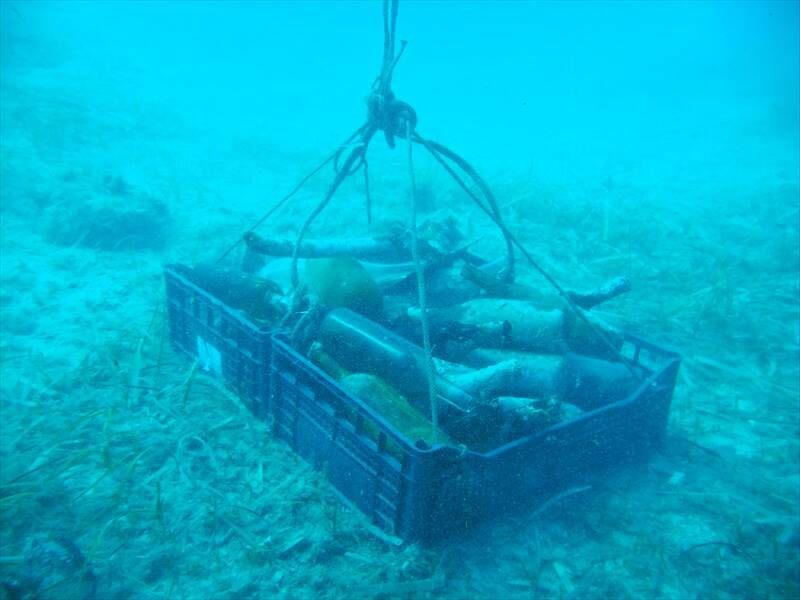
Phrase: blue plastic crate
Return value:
(407, 491)
(425, 493)
(223, 340)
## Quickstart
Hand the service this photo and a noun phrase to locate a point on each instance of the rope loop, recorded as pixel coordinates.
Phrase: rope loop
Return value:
(359, 149)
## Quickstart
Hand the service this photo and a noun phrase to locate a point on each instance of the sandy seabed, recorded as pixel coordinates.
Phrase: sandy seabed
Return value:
(126, 477)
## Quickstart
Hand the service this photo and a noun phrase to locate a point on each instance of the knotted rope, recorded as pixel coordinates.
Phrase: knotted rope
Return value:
(398, 119)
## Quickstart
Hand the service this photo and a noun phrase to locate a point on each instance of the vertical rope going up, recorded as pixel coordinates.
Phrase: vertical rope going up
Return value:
(366, 192)
(396, 118)
(430, 368)
(354, 157)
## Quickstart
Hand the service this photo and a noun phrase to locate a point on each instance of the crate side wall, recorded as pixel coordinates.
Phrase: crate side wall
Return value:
(315, 417)
(221, 340)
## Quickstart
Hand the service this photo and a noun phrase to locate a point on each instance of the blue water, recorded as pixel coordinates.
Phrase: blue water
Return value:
(593, 84)
(656, 140)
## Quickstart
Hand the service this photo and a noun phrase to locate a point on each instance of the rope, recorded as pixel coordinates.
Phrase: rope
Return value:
(398, 119)
(389, 30)
(509, 236)
(355, 155)
(384, 113)
(430, 368)
(508, 275)
(348, 144)
(288, 196)
(366, 192)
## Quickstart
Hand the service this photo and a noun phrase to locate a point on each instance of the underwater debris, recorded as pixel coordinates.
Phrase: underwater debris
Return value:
(343, 282)
(50, 569)
(377, 394)
(377, 338)
(498, 288)
(260, 298)
(504, 366)
(111, 216)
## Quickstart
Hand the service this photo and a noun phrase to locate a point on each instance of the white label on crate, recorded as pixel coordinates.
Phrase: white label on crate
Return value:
(209, 357)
